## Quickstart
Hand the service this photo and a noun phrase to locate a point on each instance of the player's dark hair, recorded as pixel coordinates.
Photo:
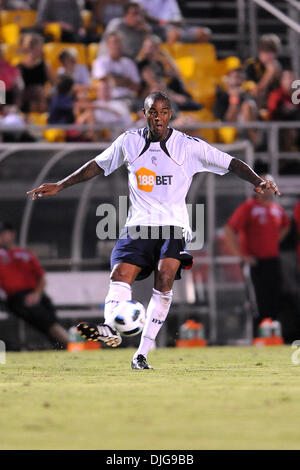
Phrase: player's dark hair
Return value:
(157, 96)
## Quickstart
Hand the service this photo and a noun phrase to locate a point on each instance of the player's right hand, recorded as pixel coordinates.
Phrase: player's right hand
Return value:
(46, 189)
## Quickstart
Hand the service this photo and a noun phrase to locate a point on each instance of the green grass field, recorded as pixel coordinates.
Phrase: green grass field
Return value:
(202, 398)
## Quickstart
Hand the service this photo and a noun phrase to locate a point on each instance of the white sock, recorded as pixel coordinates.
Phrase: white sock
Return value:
(118, 292)
(157, 312)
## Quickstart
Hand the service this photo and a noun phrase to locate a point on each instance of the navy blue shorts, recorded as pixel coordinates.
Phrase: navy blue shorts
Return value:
(145, 246)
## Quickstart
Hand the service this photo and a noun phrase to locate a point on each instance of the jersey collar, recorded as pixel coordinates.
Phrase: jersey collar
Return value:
(162, 142)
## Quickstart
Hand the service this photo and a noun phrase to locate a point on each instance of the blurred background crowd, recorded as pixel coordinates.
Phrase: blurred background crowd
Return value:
(93, 62)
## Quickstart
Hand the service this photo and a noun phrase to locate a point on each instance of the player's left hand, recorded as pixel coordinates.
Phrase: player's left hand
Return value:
(267, 184)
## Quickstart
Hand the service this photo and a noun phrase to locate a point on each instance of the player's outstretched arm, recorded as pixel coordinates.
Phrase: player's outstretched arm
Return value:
(84, 173)
(244, 171)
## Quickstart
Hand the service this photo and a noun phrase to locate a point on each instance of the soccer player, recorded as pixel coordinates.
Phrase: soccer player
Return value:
(161, 162)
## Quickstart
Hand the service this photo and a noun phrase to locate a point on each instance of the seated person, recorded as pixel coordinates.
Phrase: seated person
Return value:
(79, 72)
(165, 68)
(64, 12)
(234, 104)
(281, 107)
(113, 115)
(11, 116)
(264, 70)
(132, 29)
(23, 280)
(120, 70)
(64, 109)
(162, 15)
(35, 73)
(12, 79)
(62, 103)
(103, 11)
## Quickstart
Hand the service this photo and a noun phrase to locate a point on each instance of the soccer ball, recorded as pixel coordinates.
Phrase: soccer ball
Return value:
(129, 317)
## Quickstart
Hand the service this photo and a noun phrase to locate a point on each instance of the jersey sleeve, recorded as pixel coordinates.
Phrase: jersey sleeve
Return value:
(113, 157)
(205, 157)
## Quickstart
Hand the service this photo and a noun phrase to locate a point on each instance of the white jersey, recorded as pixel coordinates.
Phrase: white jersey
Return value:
(160, 174)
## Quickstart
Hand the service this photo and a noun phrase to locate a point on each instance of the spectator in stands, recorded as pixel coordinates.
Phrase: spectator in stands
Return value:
(11, 116)
(103, 11)
(35, 73)
(23, 280)
(234, 104)
(253, 233)
(281, 108)
(68, 106)
(13, 81)
(62, 103)
(265, 70)
(165, 14)
(113, 115)
(165, 69)
(132, 29)
(120, 70)
(79, 72)
(64, 12)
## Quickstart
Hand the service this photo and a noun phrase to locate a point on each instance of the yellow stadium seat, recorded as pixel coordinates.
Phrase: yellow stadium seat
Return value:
(202, 53)
(203, 90)
(38, 119)
(53, 30)
(23, 18)
(92, 52)
(227, 135)
(198, 67)
(53, 49)
(11, 53)
(55, 135)
(10, 33)
(204, 115)
(187, 66)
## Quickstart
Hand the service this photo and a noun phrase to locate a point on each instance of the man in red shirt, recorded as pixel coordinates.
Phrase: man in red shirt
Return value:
(23, 280)
(253, 233)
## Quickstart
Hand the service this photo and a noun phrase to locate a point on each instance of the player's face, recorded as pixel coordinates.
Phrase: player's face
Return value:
(158, 115)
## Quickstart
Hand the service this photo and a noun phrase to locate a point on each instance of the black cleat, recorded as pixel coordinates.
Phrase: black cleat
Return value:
(140, 362)
(88, 331)
(101, 332)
